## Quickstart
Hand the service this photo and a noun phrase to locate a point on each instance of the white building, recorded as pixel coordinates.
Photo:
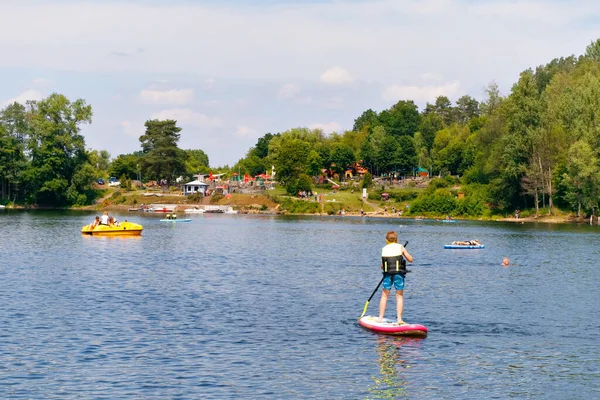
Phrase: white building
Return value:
(197, 186)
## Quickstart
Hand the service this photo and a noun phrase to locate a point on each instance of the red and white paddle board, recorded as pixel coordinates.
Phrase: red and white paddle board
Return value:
(389, 327)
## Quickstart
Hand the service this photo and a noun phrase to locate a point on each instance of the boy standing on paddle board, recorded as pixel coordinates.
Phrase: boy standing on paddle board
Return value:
(394, 270)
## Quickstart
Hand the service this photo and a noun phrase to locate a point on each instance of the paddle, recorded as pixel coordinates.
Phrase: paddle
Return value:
(374, 291)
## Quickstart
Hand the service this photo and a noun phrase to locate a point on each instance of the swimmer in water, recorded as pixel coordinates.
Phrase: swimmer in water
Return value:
(506, 261)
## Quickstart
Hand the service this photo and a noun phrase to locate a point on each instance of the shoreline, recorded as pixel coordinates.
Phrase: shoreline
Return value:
(252, 209)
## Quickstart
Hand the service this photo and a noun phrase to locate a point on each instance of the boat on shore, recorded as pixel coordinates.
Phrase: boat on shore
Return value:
(194, 210)
(220, 210)
(162, 208)
(123, 229)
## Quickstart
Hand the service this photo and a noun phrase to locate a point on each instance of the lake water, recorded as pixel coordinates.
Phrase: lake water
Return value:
(234, 306)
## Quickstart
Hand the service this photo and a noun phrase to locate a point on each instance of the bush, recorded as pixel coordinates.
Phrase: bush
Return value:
(403, 194)
(437, 183)
(303, 182)
(367, 181)
(299, 206)
(215, 198)
(441, 202)
(195, 197)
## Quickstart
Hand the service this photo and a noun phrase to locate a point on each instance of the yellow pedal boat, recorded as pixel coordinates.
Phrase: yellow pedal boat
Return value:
(124, 228)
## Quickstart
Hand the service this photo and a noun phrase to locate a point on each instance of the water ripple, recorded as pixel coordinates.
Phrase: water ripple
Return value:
(266, 307)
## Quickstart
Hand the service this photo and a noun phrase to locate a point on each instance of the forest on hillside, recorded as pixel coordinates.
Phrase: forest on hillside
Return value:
(538, 147)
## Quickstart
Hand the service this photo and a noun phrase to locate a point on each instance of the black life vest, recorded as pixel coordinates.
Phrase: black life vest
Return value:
(394, 265)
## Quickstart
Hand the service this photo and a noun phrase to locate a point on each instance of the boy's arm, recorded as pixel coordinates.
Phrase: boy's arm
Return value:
(407, 255)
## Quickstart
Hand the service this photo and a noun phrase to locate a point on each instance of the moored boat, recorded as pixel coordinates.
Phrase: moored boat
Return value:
(220, 210)
(124, 228)
(194, 210)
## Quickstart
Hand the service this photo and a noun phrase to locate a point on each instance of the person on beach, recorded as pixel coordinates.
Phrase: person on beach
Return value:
(393, 264)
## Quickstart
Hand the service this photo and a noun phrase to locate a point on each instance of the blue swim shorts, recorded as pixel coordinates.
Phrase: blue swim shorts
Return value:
(397, 280)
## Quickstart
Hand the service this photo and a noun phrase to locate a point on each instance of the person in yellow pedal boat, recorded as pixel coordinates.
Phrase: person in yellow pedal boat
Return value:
(95, 223)
(394, 270)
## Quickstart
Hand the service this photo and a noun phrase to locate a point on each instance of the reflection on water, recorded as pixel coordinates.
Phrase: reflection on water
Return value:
(391, 382)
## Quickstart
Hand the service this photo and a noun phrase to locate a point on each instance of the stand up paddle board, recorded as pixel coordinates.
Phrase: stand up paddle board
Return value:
(389, 327)
(176, 220)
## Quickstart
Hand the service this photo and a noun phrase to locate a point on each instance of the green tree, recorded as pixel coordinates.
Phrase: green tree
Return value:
(128, 165)
(466, 109)
(291, 161)
(162, 158)
(367, 119)
(13, 135)
(406, 155)
(56, 148)
(341, 158)
(430, 124)
(262, 145)
(401, 119)
(583, 177)
(493, 99)
(592, 51)
(315, 163)
(387, 154)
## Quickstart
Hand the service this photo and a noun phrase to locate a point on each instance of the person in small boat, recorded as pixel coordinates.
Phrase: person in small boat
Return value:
(393, 264)
(95, 223)
(104, 219)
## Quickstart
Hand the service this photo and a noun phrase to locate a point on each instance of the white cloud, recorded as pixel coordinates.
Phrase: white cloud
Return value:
(186, 116)
(29, 94)
(421, 93)
(336, 76)
(288, 91)
(210, 81)
(327, 127)
(173, 96)
(246, 132)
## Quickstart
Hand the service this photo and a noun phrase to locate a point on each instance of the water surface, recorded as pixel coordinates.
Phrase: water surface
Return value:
(234, 306)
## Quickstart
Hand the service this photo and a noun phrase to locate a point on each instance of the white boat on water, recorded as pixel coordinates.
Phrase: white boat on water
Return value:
(2, 207)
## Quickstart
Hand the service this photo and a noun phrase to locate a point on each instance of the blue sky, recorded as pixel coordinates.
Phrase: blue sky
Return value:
(231, 71)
